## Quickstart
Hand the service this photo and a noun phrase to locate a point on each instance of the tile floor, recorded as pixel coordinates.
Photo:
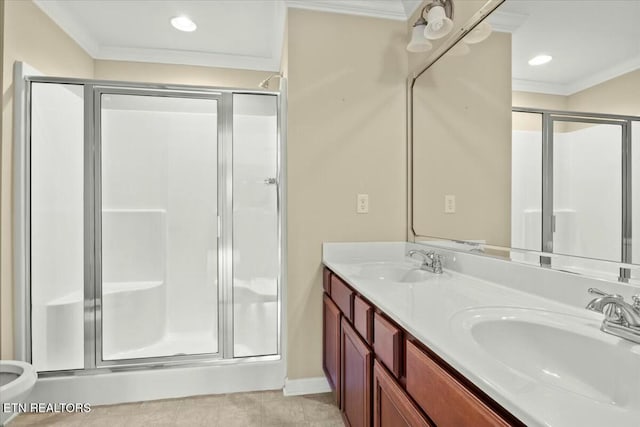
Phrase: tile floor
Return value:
(266, 408)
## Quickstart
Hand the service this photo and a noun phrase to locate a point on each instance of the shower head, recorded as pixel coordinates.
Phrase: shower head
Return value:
(265, 83)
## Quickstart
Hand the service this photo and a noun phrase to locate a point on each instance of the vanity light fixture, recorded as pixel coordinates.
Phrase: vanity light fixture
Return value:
(439, 22)
(418, 42)
(540, 60)
(434, 23)
(183, 23)
(479, 33)
(459, 49)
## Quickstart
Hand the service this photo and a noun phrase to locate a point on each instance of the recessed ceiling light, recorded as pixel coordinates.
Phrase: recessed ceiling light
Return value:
(540, 59)
(183, 23)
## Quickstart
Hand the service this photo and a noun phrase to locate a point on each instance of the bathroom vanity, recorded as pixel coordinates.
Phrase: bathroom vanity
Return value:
(407, 347)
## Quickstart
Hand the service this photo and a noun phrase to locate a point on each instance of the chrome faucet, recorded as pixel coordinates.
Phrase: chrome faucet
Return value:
(431, 261)
(620, 318)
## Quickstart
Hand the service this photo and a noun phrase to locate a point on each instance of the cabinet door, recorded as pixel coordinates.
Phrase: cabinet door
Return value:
(356, 362)
(437, 392)
(391, 405)
(331, 344)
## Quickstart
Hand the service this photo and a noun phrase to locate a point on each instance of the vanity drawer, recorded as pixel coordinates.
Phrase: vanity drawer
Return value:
(387, 344)
(363, 319)
(326, 280)
(437, 392)
(342, 295)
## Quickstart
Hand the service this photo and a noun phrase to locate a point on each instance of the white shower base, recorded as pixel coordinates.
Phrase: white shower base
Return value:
(133, 315)
(134, 326)
(134, 386)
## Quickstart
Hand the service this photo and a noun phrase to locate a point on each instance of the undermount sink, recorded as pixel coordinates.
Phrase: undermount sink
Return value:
(556, 350)
(394, 272)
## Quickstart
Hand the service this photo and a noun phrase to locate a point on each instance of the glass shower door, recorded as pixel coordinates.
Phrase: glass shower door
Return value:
(57, 226)
(158, 225)
(587, 206)
(256, 250)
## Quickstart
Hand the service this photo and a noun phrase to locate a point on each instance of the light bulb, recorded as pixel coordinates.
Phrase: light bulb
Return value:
(418, 43)
(460, 49)
(438, 25)
(479, 33)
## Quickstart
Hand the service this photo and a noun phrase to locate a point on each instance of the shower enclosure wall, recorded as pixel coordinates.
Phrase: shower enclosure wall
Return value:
(575, 190)
(152, 225)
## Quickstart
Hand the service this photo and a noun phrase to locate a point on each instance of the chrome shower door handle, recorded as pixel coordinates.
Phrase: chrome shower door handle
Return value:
(271, 181)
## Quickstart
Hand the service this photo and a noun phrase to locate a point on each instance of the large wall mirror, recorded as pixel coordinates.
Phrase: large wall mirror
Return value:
(527, 142)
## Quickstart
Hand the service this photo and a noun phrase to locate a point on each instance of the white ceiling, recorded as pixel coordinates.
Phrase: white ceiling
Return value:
(590, 41)
(245, 34)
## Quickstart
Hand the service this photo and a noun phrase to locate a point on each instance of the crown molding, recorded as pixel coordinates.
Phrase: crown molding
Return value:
(521, 85)
(617, 70)
(385, 10)
(610, 73)
(185, 57)
(69, 25)
(166, 56)
(410, 6)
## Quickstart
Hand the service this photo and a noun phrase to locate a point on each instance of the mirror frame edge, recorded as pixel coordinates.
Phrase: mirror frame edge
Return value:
(478, 16)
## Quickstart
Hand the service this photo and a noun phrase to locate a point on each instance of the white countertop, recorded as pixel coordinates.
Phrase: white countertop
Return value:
(430, 311)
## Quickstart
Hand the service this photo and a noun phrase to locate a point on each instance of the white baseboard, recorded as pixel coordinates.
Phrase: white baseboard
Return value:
(306, 386)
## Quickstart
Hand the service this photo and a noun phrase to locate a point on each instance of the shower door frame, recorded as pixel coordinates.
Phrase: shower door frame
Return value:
(92, 89)
(93, 210)
(548, 118)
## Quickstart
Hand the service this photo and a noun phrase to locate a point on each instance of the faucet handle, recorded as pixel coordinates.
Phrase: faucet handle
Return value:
(598, 292)
(436, 264)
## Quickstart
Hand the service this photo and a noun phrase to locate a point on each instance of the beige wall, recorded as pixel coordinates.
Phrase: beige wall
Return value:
(29, 36)
(462, 144)
(178, 74)
(346, 135)
(525, 121)
(616, 96)
(539, 100)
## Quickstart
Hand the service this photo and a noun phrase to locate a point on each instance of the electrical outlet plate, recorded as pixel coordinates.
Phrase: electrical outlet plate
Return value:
(449, 203)
(362, 203)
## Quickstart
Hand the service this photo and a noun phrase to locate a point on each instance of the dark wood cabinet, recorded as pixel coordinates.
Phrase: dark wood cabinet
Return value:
(436, 391)
(392, 407)
(407, 384)
(363, 319)
(356, 362)
(331, 344)
(387, 343)
(342, 295)
(326, 281)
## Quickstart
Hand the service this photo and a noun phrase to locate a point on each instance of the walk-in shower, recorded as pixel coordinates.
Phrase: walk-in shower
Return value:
(151, 225)
(574, 190)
